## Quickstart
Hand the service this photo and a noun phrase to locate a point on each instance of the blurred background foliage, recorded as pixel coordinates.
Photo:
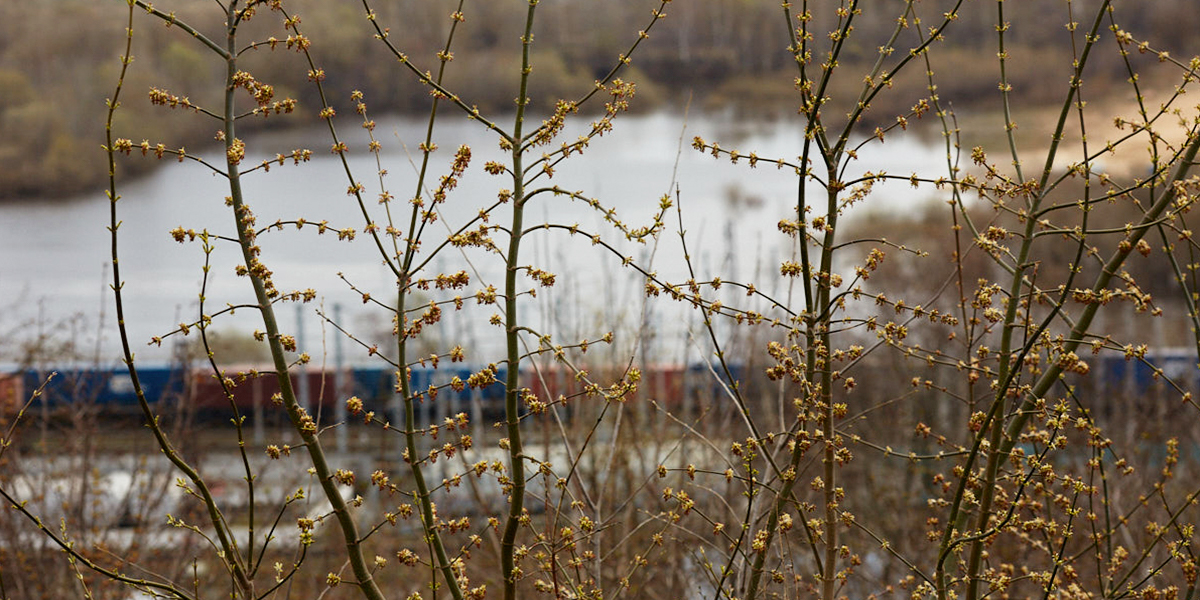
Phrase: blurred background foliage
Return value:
(58, 61)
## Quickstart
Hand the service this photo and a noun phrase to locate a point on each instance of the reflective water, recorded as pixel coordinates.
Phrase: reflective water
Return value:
(56, 252)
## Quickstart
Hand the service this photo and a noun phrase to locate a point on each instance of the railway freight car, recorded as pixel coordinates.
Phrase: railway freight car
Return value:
(106, 390)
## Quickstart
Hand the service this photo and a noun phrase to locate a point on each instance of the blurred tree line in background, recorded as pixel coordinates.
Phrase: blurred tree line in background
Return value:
(58, 60)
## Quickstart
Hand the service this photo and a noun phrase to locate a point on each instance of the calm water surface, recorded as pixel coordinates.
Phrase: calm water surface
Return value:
(56, 250)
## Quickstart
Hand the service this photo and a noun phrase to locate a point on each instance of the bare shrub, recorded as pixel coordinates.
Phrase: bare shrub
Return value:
(931, 408)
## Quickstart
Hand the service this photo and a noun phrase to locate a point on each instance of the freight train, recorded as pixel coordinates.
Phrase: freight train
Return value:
(109, 391)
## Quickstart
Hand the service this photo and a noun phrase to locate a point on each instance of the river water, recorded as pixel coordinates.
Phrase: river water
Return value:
(55, 275)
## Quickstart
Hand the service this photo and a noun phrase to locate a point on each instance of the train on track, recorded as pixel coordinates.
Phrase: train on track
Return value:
(109, 391)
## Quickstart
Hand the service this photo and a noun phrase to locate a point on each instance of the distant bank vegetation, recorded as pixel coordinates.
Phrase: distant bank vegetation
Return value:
(58, 60)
